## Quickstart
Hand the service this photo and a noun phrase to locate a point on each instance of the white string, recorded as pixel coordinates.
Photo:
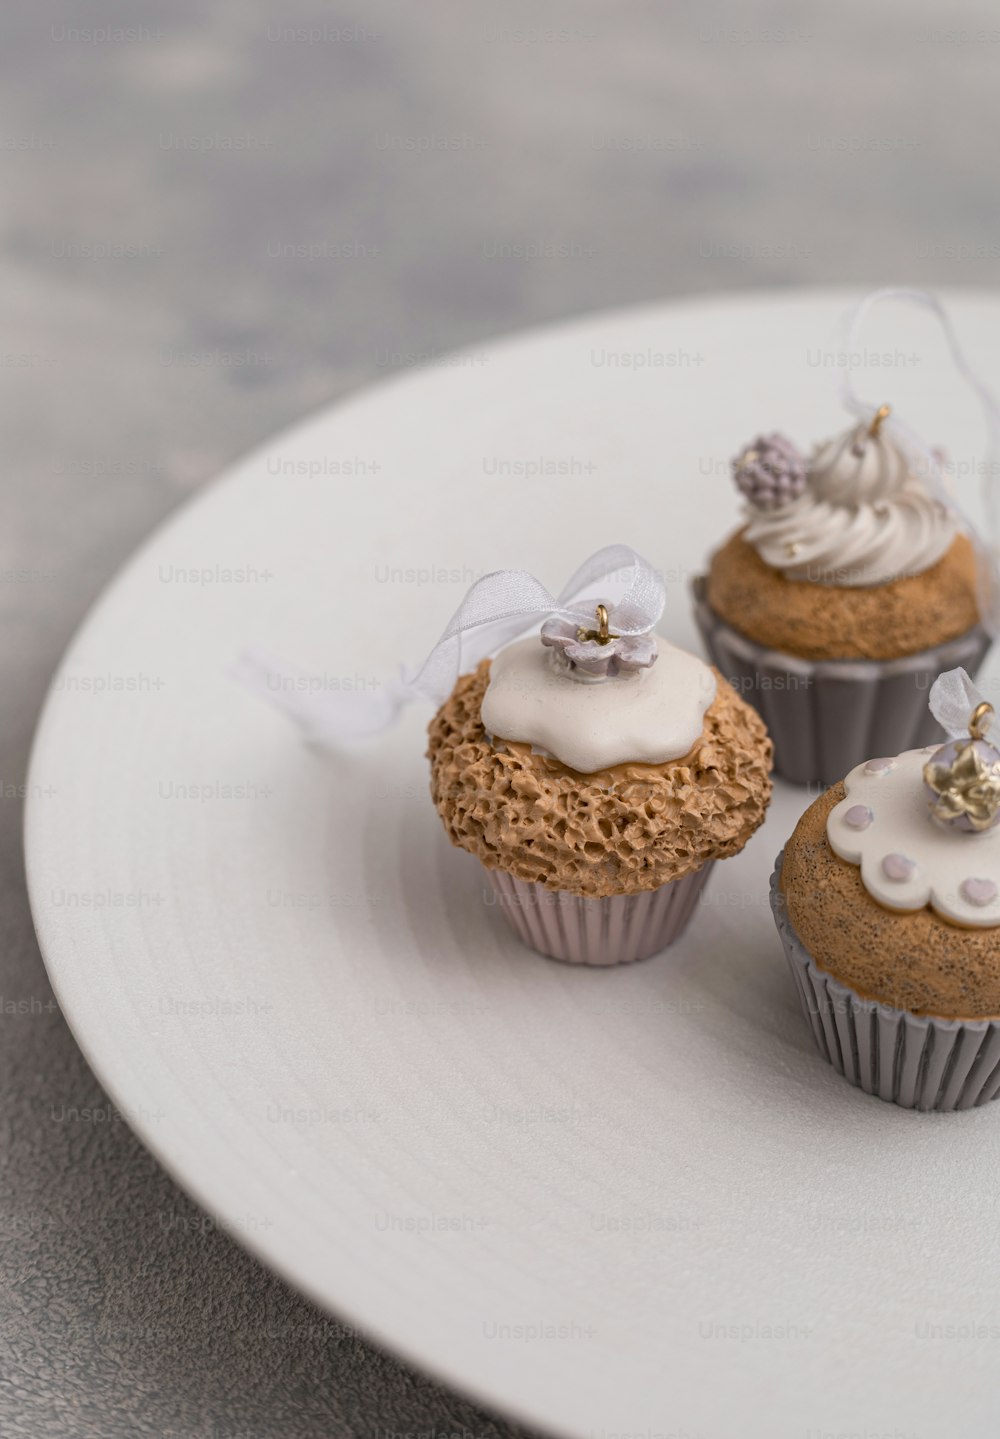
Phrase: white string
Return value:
(952, 700)
(988, 549)
(497, 609)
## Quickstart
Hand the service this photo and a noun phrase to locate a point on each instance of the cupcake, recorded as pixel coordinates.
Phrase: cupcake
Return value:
(594, 769)
(847, 589)
(597, 779)
(887, 901)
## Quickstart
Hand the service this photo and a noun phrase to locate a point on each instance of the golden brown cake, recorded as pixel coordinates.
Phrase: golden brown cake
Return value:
(917, 961)
(887, 902)
(825, 622)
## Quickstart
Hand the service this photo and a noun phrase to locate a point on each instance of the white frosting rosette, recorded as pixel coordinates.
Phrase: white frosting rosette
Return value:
(866, 515)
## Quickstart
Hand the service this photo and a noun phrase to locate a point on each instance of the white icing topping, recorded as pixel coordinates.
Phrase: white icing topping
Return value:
(907, 859)
(649, 717)
(864, 519)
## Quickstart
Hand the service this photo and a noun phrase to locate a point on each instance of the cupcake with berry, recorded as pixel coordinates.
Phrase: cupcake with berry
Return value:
(850, 584)
(887, 900)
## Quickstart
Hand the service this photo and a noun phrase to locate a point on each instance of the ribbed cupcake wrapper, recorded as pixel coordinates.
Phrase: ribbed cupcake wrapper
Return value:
(915, 1061)
(615, 930)
(826, 716)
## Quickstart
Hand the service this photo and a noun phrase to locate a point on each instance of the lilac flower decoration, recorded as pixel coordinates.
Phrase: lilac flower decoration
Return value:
(770, 472)
(599, 653)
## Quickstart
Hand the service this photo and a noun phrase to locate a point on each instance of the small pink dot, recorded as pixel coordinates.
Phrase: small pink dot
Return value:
(859, 816)
(897, 867)
(879, 766)
(978, 891)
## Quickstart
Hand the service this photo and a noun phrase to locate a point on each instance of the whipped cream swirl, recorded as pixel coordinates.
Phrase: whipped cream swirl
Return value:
(865, 518)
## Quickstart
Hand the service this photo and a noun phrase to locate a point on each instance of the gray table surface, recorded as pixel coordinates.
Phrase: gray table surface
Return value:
(219, 214)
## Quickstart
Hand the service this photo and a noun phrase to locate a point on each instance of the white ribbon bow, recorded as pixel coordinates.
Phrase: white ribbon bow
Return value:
(926, 462)
(952, 701)
(496, 610)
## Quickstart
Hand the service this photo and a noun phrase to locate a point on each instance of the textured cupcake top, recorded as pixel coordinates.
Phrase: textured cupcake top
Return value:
(910, 854)
(912, 960)
(860, 514)
(622, 830)
(648, 715)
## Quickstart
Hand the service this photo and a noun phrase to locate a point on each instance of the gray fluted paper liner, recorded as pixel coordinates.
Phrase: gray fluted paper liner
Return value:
(911, 1060)
(615, 930)
(826, 716)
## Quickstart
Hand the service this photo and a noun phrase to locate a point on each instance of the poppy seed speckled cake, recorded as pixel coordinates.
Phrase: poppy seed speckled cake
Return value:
(887, 900)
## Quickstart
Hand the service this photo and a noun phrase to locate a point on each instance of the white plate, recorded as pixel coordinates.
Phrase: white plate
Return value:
(626, 1201)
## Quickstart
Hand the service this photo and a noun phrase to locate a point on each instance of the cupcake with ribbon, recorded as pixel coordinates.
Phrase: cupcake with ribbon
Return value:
(852, 582)
(595, 770)
(887, 900)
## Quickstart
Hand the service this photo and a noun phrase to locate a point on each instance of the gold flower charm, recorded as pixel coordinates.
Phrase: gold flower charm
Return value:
(965, 779)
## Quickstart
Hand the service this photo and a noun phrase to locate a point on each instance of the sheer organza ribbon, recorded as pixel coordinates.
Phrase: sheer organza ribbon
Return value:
(925, 460)
(953, 700)
(497, 609)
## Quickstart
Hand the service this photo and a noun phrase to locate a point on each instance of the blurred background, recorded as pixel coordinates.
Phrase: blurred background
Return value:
(217, 216)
